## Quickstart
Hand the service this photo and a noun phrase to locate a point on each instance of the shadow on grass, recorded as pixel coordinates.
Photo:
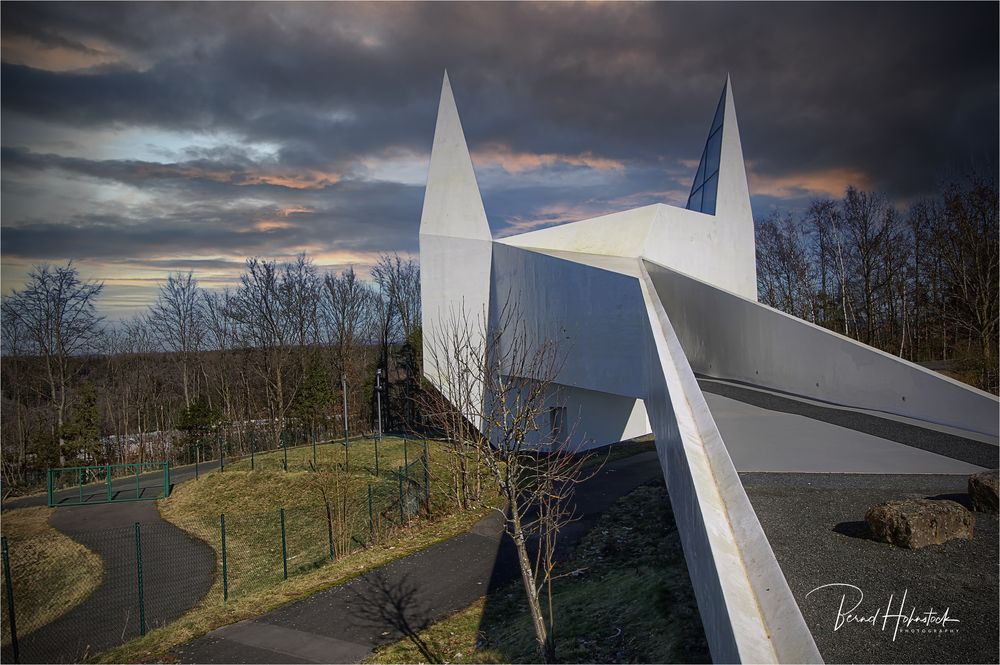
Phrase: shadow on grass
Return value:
(625, 596)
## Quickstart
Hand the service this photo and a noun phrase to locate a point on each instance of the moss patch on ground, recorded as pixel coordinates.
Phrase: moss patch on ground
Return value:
(51, 572)
(628, 599)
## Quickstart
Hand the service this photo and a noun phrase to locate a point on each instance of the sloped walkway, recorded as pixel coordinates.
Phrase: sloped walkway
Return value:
(344, 624)
(178, 570)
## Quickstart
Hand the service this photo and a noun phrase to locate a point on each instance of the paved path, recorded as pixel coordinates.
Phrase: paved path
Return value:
(343, 624)
(150, 484)
(177, 572)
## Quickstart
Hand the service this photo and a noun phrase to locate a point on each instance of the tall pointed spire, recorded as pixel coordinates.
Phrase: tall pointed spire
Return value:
(705, 187)
(733, 192)
(721, 182)
(720, 189)
(453, 206)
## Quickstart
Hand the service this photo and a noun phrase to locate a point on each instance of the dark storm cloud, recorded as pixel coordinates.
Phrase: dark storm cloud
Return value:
(887, 96)
(819, 85)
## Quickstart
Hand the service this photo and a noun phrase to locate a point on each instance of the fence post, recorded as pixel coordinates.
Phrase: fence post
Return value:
(11, 618)
(137, 481)
(371, 518)
(138, 568)
(222, 461)
(402, 516)
(253, 447)
(225, 565)
(197, 456)
(376, 456)
(329, 529)
(80, 476)
(427, 479)
(313, 435)
(166, 479)
(107, 472)
(406, 459)
(284, 548)
(284, 448)
(48, 486)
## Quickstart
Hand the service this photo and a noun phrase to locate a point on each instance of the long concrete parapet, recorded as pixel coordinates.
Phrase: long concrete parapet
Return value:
(729, 337)
(745, 603)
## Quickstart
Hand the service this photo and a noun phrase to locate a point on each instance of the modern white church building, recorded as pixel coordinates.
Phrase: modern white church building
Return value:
(656, 307)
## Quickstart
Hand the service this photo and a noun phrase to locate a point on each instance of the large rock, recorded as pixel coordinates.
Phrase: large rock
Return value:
(983, 490)
(915, 523)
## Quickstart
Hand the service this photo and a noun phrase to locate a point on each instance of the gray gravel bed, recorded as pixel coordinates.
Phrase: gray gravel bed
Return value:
(815, 524)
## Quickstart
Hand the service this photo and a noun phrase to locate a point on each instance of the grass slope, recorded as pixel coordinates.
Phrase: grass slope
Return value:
(630, 600)
(51, 573)
(250, 501)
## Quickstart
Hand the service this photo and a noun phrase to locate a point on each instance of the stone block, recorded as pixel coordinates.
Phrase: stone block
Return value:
(916, 523)
(983, 491)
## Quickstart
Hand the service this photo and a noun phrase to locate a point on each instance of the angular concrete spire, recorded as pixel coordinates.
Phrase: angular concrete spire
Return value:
(453, 206)
(733, 194)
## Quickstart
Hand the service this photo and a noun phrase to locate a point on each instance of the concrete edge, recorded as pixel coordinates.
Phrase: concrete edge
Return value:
(746, 604)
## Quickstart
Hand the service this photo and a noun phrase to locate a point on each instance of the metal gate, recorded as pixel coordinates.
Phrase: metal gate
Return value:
(108, 483)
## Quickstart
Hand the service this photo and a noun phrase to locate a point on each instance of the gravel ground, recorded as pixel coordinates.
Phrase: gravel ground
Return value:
(815, 523)
(949, 445)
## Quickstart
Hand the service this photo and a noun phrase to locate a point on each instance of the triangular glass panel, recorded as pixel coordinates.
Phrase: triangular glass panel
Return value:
(720, 112)
(709, 164)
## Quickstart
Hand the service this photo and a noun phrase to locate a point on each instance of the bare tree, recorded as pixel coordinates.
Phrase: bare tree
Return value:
(178, 319)
(400, 282)
(57, 314)
(971, 251)
(498, 404)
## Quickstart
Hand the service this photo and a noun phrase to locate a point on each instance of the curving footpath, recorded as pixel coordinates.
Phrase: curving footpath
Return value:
(177, 571)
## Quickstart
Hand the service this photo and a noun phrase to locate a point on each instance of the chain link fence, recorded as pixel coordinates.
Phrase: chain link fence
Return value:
(78, 593)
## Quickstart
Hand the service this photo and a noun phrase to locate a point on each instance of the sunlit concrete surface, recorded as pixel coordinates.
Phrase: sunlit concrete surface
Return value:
(641, 300)
(760, 439)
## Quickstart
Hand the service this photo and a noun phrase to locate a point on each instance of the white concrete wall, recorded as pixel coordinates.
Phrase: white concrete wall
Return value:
(745, 603)
(593, 418)
(596, 317)
(730, 337)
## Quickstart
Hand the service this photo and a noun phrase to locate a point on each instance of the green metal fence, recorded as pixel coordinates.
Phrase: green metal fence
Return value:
(108, 483)
(68, 596)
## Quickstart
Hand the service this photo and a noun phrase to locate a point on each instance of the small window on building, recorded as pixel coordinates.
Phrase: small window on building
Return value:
(557, 421)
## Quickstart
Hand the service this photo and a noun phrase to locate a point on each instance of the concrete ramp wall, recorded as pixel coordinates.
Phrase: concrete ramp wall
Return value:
(730, 337)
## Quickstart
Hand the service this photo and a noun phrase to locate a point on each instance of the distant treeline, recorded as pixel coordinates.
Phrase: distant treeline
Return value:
(920, 283)
(266, 356)
(273, 352)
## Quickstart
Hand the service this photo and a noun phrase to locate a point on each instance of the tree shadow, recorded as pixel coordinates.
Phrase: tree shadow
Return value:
(394, 604)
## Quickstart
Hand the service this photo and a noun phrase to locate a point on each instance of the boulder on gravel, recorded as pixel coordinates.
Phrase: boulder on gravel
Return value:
(983, 491)
(916, 523)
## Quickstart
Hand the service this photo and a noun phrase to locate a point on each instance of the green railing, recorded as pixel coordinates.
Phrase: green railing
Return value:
(108, 483)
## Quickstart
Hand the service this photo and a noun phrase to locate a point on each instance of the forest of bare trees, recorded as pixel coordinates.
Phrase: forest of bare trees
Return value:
(281, 348)
(920, 283)
(274, 352)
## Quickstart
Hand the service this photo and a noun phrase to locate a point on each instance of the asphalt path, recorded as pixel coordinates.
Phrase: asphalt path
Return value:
(344, 624)
(177, 571)
(150, 484)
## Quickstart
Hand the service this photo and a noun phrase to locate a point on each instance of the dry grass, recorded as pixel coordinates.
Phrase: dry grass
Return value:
(250, 501)
(51, 572)
(631, 601)
(212, 613)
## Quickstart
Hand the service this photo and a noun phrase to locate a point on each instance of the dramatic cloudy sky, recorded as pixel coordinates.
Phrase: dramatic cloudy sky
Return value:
(140, 139)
